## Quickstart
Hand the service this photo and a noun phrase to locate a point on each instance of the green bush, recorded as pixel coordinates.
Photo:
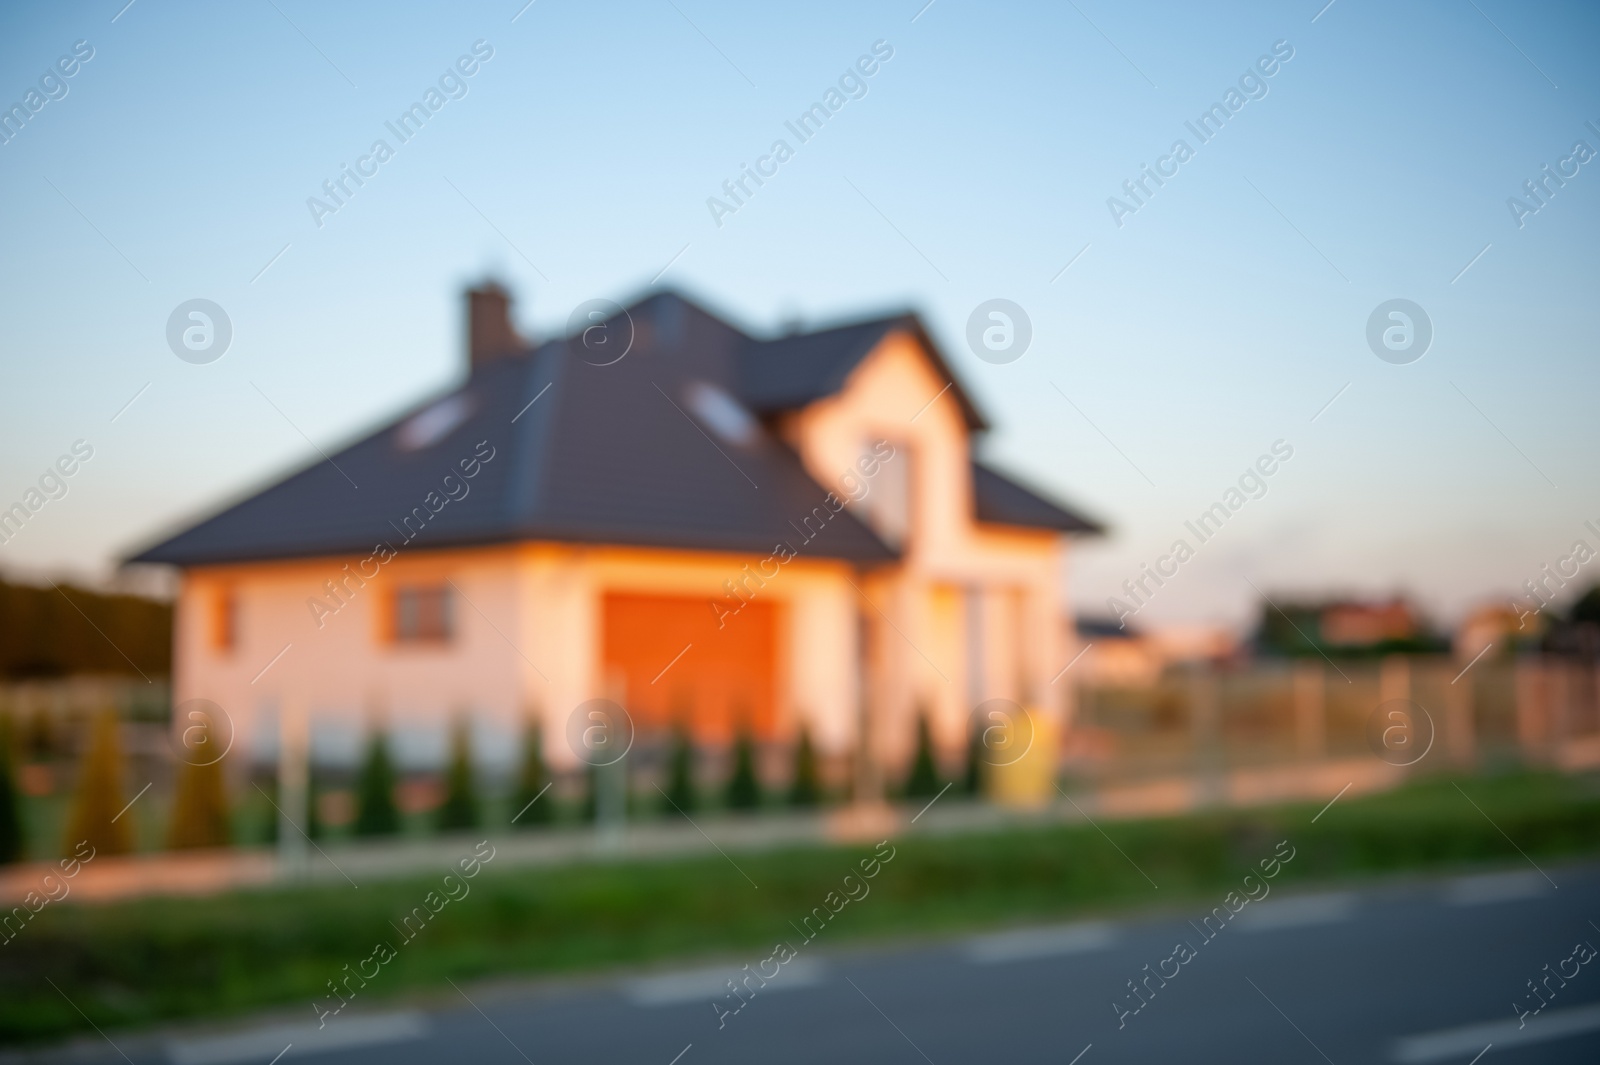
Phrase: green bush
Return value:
(376, 811)
(806, 789)
(460, 807)
(532, 780)
(97, 807)
(973, 778)
(744, 786)
(267, 826)
(200, 808)
(314, 826)
(923, 783)
(680, 795)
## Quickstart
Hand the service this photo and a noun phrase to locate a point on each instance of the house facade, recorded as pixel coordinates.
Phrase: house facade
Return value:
(704, 527)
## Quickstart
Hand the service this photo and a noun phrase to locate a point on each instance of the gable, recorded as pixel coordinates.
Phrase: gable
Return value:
(788, 373)
(900, 392)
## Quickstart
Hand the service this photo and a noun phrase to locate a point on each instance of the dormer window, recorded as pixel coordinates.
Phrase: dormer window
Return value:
(886, 504)
(434, 423)
(721, 413)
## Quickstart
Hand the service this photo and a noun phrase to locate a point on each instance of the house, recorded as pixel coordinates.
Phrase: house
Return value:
(660, 510)
(1344, 626)
(1365, 624)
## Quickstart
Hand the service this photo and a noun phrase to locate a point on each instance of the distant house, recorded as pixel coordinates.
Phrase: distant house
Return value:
(1496, 628)
(1118, 655)
(1346, 626)
(704, 526)
(1363, 624)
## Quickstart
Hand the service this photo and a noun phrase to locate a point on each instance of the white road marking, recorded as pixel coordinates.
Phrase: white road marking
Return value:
(1305, 911)
(1028, 943)
(260, 1044)
(1449, 1043)
(1495, 887)
(711, 984)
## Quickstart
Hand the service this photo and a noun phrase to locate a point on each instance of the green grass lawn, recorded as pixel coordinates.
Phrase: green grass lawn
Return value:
(137, 962)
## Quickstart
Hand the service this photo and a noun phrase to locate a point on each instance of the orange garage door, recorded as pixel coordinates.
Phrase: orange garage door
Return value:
(727, 675)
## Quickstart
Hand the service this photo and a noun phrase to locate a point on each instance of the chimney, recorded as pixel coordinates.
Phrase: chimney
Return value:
(490, 335)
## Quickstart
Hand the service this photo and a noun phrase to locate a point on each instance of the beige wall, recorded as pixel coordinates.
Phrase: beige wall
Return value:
(344, 671)
(527, 638)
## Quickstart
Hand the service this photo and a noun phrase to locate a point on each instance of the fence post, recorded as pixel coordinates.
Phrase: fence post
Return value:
(1205, 736)
(1394, 678)
(1310, 710)
(1460, 733)
(1530, 685)
(1560, 724)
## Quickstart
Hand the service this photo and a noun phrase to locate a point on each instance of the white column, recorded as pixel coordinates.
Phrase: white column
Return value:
(823, 680)
(566, 623)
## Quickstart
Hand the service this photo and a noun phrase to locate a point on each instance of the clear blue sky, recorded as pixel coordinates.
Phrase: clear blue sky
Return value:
(1221, 316)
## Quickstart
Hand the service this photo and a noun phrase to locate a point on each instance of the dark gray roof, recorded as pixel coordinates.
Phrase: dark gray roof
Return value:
(1002, 501)
(616, 454)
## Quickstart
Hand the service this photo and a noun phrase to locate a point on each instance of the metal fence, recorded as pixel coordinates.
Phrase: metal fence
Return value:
(1532, 710)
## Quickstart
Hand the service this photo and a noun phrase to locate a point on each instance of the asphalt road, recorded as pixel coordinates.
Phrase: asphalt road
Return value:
(1421, 971)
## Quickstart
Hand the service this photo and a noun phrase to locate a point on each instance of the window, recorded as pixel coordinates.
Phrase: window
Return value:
(886, 504)
(435, 423)
(721, 413)
(423, 614)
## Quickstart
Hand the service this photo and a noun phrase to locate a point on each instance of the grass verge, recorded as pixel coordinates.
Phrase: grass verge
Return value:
(138, 962)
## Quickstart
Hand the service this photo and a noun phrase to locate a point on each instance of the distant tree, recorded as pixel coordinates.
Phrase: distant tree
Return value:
(1294, 630)
(744, 785)
(806, 789)
(532, 781)
(376, 812)
(1300, 629)
(1586, 608)
(200, 809)
(924, 779)
(460, 808)
(1577, 634)
(13, 842)
(97, 808)
(680, 796)
(52, 632)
